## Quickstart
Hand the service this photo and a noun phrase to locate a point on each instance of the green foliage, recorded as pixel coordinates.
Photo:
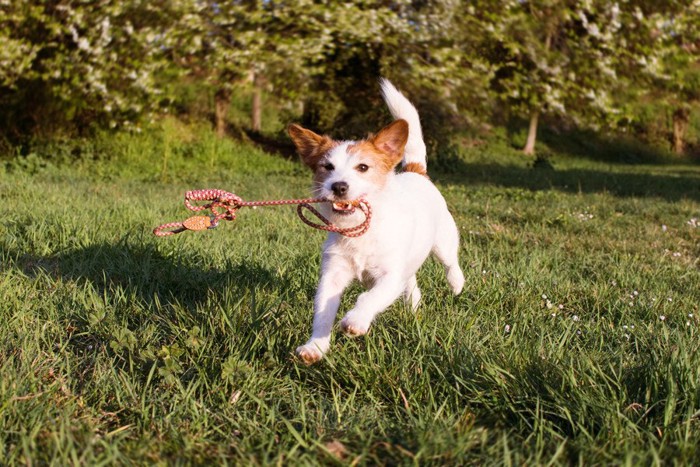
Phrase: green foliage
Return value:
(68, 68)
(165, 153)
(80, 65)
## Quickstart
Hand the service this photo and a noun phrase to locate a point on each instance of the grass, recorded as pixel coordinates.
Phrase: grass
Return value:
(576, 338)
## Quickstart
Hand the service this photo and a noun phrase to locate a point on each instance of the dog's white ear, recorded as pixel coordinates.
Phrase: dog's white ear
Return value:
(310, 146)
(391, 140)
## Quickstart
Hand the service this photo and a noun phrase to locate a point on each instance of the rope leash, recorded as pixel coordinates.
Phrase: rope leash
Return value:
(223, 206)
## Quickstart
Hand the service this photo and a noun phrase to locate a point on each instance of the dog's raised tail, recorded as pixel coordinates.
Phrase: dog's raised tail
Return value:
(414, 154)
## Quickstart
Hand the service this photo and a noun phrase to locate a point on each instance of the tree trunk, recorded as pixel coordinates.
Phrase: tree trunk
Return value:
(529, 148)
(681, 118)
(222, 104)
(256, 108)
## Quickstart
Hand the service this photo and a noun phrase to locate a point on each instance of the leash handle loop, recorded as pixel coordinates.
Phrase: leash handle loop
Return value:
(354, 231)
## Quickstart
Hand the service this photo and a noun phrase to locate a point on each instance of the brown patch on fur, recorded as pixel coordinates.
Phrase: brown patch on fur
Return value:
(310, 146)
(385, 149)
(416, 167)
(374, 157)
(380, 163)
(320, 174)
(392, 140)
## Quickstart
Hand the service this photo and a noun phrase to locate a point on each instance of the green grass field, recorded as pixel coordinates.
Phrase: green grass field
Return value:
(576, 339)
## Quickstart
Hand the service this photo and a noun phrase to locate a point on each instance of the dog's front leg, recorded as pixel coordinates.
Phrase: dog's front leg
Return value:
(369, 304)
(334, 278)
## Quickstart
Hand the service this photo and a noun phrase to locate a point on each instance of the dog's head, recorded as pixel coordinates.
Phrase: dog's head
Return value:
(349, 170)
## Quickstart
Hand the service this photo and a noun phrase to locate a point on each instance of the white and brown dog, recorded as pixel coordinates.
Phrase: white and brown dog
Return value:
(409, 221)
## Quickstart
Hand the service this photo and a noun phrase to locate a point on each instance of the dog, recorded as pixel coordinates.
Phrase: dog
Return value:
(410, 220)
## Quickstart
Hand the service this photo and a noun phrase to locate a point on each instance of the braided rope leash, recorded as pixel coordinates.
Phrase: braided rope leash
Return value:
(224, 205)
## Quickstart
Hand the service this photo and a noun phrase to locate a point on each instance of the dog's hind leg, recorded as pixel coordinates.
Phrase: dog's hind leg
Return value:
(446, 249)
(369, 304)
(412, 293)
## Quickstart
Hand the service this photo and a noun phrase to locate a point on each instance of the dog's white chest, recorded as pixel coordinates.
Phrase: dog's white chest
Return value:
(363, 256)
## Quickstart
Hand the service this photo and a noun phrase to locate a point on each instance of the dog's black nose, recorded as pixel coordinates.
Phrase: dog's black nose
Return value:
(340, 188)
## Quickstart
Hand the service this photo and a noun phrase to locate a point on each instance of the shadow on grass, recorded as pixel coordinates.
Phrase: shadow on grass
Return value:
(672, 185)
(585, 143)
(145, 303)
(142, 285)
(149, 275)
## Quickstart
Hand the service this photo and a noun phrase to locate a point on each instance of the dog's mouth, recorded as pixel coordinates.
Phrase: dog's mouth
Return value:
(343, 207)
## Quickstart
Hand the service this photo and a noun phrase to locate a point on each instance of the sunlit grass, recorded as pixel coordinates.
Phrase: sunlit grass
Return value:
(575, 339)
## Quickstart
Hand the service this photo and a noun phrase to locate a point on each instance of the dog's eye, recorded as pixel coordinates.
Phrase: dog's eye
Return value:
(328, 166)
(362, 168)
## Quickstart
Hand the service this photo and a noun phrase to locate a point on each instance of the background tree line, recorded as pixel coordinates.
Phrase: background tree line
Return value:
(627, 67)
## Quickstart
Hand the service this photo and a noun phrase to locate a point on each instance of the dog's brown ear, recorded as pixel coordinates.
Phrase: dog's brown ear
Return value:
(391, 140)
(310, 146)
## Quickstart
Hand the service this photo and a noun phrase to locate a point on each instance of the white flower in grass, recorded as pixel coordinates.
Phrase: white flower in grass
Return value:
(506, 329)
(664, 228)
(544, 297)
(662, 317)
(575, 318)
(690, 315)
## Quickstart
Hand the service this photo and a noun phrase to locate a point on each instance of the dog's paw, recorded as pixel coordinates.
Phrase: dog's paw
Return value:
(309, 353)
(413, 298)
(352, 327)
(455, 277)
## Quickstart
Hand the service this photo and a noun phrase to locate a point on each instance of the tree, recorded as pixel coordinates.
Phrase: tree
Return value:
(557, 57)
(428, 48)
(657, 64)
(439, 59)
(80, 64)
(257, 42)
(677, 81)
(362, 35)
